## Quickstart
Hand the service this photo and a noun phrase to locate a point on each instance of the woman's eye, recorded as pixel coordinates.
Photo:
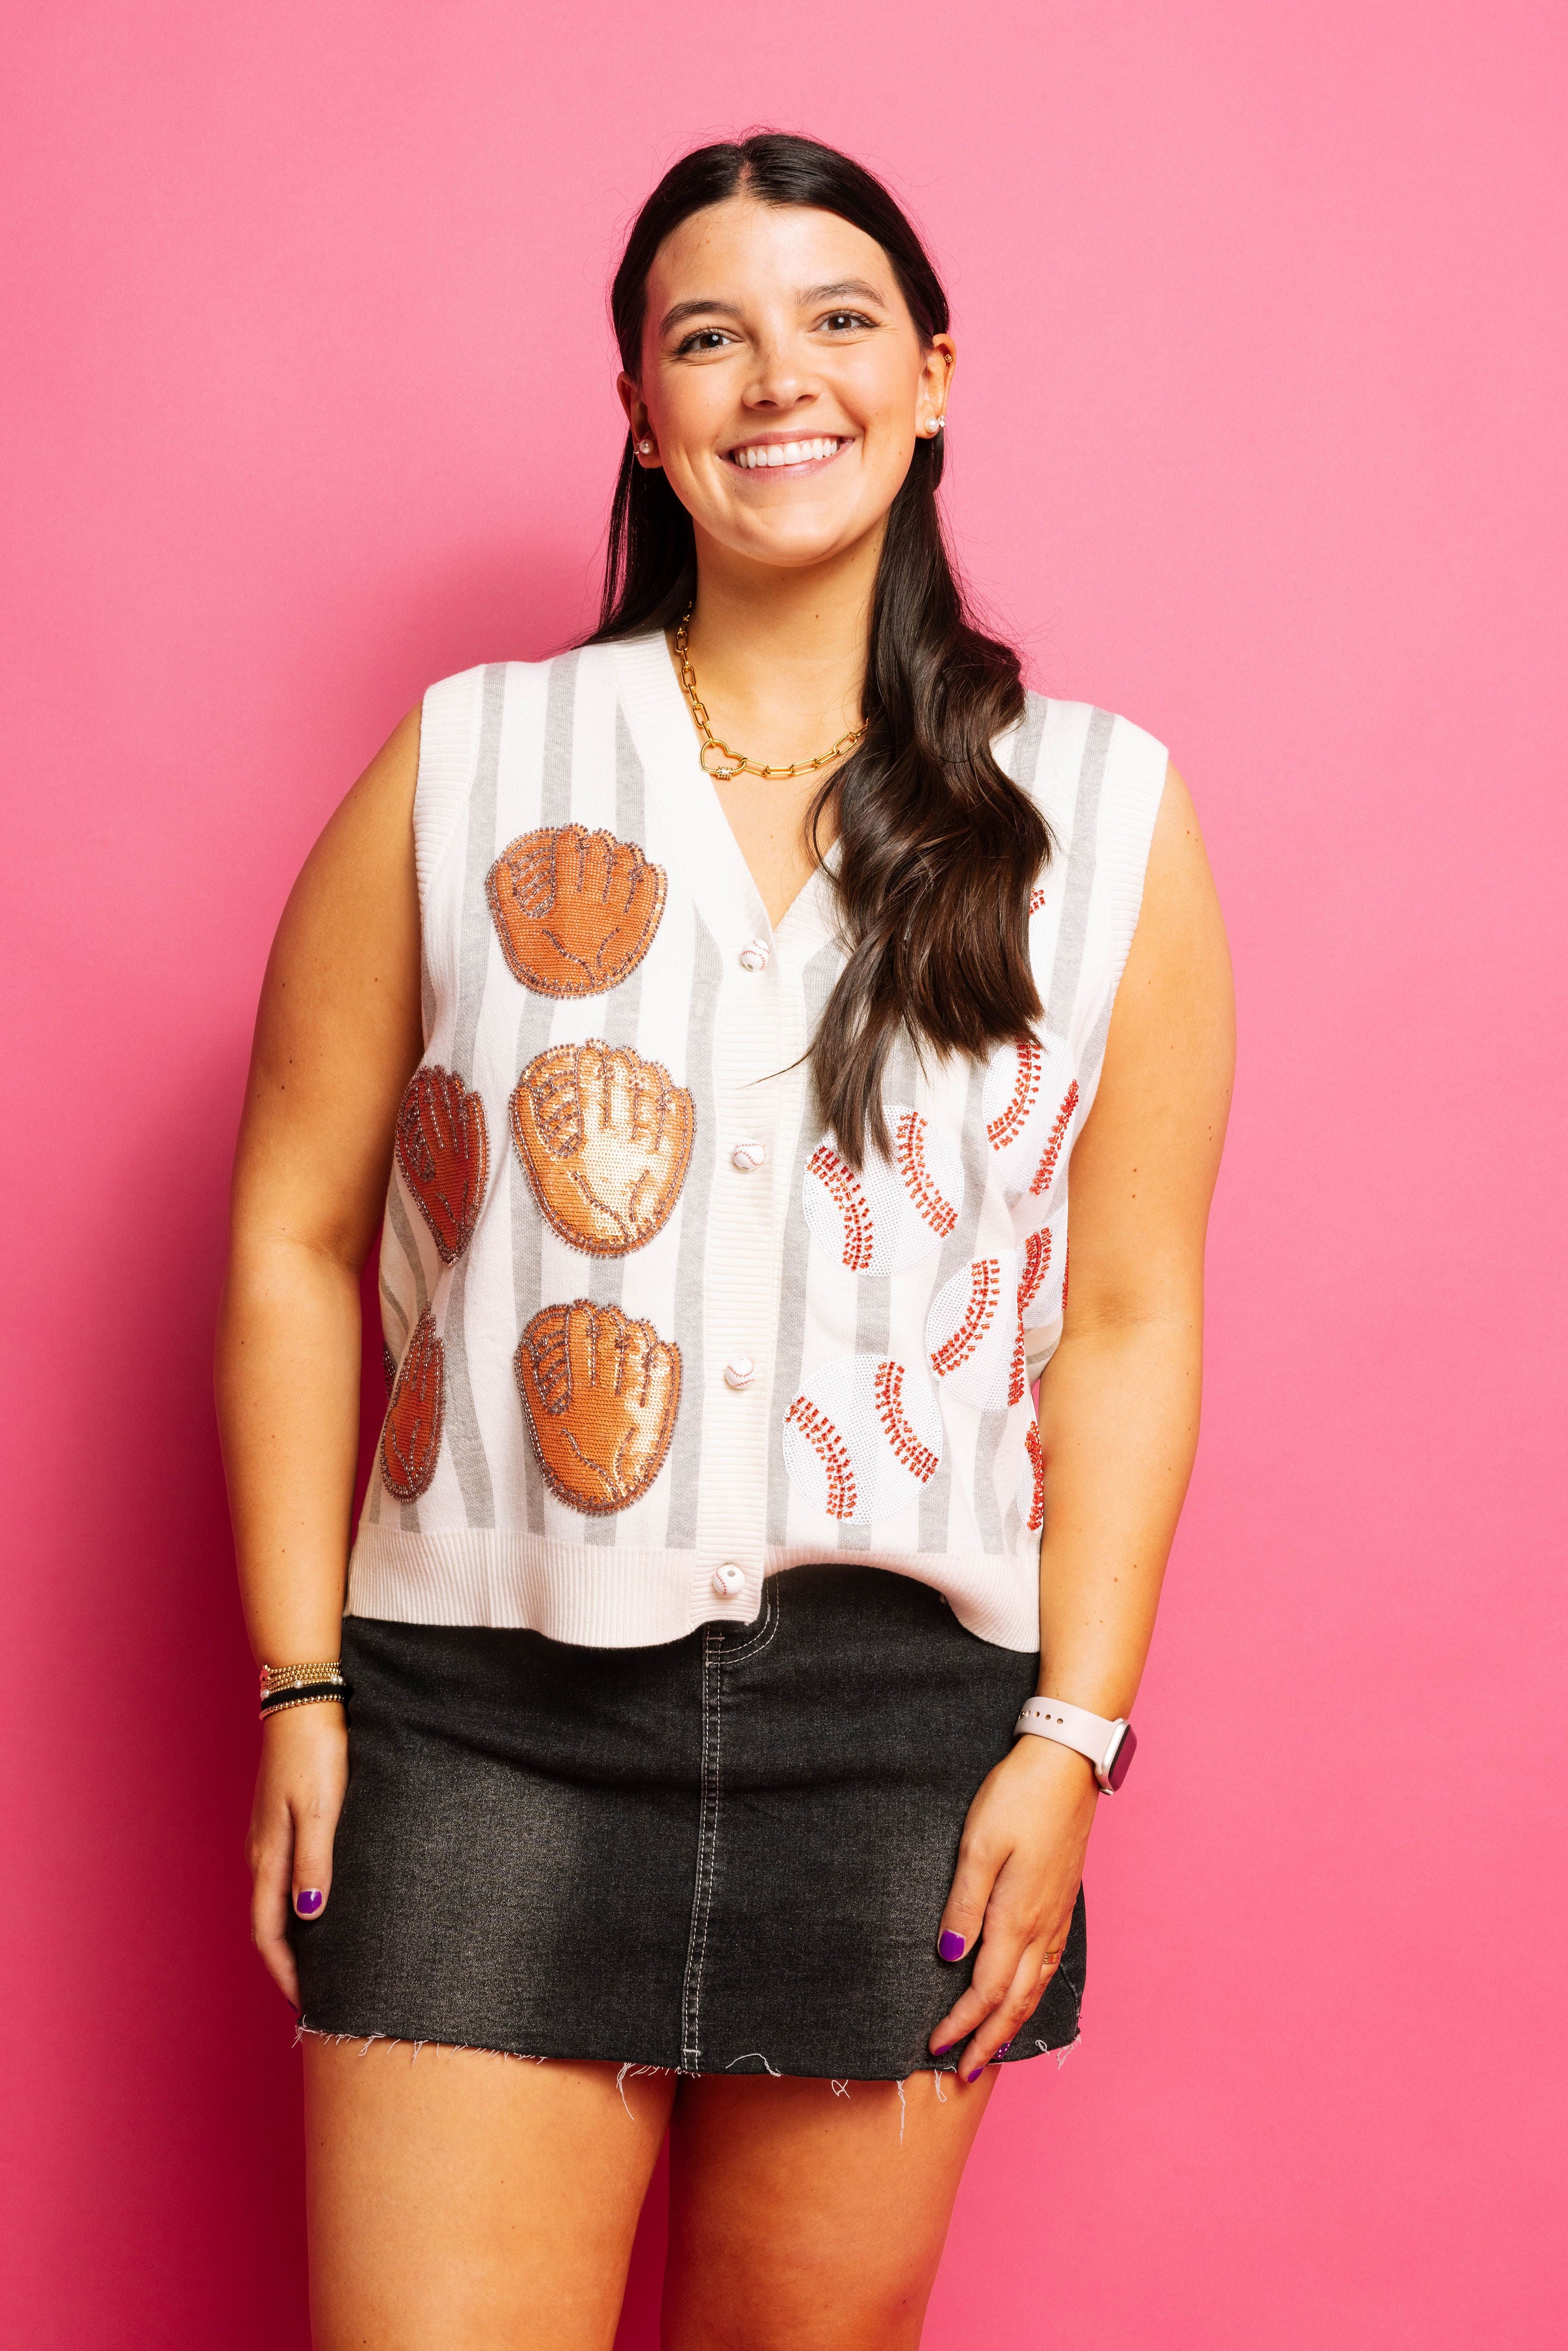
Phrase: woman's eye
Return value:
(841, 319)
(707, 338)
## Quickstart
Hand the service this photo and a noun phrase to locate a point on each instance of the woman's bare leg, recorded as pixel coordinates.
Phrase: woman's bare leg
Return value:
(461, 2201)
(805, 2220)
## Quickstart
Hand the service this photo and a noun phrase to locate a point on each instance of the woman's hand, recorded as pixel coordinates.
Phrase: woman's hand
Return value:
(1020, 1865)
(299, 1787)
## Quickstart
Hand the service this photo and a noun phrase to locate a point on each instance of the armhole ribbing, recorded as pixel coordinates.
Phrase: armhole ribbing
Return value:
(1135, 782)
(448, 755)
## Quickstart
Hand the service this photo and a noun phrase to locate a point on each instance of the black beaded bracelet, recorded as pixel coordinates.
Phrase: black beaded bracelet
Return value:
(303, 1694)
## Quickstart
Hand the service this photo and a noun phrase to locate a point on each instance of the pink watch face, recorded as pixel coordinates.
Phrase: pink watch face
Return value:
(1122, 1758)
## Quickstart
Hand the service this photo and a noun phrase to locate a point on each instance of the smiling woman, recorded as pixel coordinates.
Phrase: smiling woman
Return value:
(771, 296)
(731, 1659)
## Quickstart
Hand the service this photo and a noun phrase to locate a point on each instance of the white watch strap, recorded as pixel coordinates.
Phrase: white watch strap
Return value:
(1071, 1726)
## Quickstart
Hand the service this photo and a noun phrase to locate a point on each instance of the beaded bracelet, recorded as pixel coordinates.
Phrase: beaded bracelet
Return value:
(309, 1685)
(276, 1677)
(321, 1694)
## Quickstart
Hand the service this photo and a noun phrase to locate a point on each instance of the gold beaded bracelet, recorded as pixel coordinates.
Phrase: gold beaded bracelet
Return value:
(276, 1678)
(318, 1684)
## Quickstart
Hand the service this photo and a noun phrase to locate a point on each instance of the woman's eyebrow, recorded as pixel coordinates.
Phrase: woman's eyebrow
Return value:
(705, 304)
(841, 288)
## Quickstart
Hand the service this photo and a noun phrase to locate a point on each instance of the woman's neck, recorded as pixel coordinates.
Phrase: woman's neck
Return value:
(780, 655)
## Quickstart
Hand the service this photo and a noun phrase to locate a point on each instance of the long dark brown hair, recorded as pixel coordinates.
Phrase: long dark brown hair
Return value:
(938, 849)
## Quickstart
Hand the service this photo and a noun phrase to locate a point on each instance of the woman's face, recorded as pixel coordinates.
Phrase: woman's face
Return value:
(784, 385)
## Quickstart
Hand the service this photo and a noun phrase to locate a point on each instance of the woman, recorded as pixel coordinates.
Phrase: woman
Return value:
(728, 997)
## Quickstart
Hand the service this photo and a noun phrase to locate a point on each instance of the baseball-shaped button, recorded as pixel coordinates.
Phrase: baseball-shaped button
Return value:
(739, 1371)
(748, 1155)
(727, 1582)
(754, 956)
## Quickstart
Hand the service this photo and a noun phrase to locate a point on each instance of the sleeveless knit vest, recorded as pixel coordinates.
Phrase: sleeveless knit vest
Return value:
(648, 1337)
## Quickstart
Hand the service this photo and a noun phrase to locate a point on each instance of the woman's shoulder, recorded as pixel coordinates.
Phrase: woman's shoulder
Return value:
(465, 689)
(453, 706)
(1085, 767)
(459, 716)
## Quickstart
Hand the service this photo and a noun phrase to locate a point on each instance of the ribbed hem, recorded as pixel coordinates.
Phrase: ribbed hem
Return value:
(639, 1599)
(595, 1599)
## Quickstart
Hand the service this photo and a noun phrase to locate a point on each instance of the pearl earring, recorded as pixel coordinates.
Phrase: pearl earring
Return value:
(645, 447)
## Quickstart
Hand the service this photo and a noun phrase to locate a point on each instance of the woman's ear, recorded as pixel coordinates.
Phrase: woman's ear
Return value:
(935, 377)
(645, 445)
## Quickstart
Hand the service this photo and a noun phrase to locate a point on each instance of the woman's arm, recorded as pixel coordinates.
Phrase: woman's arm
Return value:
(1118, 1418)
(336, 1038)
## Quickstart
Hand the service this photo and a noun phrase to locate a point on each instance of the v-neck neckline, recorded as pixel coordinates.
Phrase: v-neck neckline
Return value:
(661, 721)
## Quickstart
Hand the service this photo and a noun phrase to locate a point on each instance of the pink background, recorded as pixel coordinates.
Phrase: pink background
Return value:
(1256, 436)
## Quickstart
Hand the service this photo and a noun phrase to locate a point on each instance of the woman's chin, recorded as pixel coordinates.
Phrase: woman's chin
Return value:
(790, 542)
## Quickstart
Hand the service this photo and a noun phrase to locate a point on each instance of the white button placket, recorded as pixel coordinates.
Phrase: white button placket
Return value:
(740, 1289)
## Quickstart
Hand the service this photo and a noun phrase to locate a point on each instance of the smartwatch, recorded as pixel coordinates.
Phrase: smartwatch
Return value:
(1108, 1745)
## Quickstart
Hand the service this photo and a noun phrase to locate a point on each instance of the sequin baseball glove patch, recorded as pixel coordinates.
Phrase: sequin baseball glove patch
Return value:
(411, 1439)
(600, 1392)
(575, 911)
(605, 1139)
(444, 1150)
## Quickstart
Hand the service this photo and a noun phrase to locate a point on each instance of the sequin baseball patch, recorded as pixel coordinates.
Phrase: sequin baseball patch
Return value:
(443, 1151)
(974, 1333)
(599, 1394)
(889, 1214)
(410, 1437)
(862, 1438)
(574, 911)
(605, 1140)
(1029, 1101)
(1032, 1481)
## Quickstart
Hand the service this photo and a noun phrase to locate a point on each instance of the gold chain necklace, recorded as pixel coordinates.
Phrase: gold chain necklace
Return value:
(734, 763)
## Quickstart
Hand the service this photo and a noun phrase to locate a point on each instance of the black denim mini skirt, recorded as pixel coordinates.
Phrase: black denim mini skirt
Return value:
(726, 1855)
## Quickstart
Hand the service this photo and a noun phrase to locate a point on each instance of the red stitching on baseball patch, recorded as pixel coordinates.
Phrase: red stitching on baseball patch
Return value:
(917, 1459)
(985, 1296)
(1033, 1447)
(1047, 1167)
(831, 1450)
(842, 1184)
(1010, 1121)
(938, 1212)
(1036, 1265)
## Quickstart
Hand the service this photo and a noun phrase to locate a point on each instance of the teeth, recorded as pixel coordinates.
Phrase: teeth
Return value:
(784, 453)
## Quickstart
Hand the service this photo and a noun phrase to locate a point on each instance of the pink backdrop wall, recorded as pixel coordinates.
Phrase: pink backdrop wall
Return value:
(1256, 436)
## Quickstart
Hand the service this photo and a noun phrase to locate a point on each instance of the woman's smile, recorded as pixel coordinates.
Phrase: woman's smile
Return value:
(789, 454)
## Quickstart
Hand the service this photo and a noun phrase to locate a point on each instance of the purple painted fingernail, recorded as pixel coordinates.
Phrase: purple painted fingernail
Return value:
(948, 1945)
(308, 1901)
(1003, 2050)
(942, 2048)
(976, 2075)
